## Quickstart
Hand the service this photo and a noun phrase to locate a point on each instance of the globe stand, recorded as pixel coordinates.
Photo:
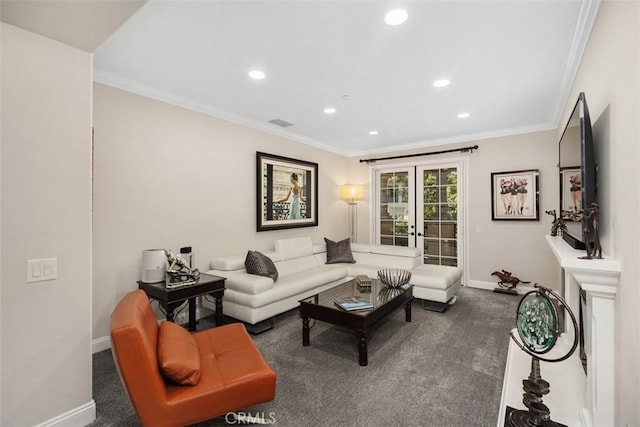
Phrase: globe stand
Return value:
(537, 320)
(534, 388)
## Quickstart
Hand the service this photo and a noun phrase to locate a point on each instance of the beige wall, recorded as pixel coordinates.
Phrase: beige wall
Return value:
(167, 177)
(46, 212)
(517, 246)
(610, 77)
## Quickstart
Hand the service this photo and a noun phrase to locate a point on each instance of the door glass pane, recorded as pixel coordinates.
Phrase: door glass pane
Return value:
(433, 260)
(386, 227)
(431, 212)
(449, 248)
(394, 208)
(432, 230)
(448, 230)
(432, 246)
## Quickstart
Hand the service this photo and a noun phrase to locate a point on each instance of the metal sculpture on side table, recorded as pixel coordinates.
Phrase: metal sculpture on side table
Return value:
(538, 328)
(179, 272)
(558, 225)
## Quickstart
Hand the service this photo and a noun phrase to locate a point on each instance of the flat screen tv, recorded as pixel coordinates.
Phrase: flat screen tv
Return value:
(578, 174)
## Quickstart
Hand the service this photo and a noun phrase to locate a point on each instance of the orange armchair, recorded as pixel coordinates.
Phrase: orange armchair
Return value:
(232, 373)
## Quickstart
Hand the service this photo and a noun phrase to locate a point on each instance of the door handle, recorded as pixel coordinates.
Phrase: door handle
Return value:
(412, 234)
(419, 234)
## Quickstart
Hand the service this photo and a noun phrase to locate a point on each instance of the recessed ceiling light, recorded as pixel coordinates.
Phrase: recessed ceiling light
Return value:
(463, 115)
(373, 132)
(257, 74)
(396, 17)
(441, 83)
(329, 110)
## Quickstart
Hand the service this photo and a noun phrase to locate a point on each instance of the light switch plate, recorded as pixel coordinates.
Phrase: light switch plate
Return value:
(42, 269)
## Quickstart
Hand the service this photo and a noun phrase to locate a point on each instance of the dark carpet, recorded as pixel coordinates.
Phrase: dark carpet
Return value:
(439, 370)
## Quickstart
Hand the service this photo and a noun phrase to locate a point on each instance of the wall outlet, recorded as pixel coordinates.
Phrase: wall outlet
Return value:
(42, 269)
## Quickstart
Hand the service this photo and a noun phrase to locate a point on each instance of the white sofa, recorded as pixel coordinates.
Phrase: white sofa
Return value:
(303, 272)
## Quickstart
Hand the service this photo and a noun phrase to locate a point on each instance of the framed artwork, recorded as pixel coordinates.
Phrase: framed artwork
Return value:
(570, 191)
(514, 195)
(287, 192)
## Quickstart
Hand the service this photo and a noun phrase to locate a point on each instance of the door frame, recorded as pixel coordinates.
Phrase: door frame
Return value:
(462, 163)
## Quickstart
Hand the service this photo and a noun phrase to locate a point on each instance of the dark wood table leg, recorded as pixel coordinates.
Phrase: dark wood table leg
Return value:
(170, 311)
(218, 299)
(305, 331)
(362, 348)
(407, 310)
(192, 314)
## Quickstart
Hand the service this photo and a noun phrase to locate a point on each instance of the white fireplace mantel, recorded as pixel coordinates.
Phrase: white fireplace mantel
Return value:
(599, 279)
(575, 399)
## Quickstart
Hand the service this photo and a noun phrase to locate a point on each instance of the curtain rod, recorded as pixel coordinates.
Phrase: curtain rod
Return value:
(453, 150)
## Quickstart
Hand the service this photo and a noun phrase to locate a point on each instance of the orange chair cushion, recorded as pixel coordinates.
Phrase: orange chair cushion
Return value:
(178, 354)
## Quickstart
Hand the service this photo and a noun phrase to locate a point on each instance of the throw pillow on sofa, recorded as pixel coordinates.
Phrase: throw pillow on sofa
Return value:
(339, 252)
(178, 354)
(260, 264)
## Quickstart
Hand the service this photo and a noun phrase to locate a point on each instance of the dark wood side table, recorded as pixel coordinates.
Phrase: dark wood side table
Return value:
(171, 299)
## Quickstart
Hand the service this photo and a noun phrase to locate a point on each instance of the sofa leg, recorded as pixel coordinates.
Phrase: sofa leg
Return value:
(440, 307)
(260, 327)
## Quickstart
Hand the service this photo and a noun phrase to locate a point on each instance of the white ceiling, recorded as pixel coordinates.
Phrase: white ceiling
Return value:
(82, 24)
(511, 65)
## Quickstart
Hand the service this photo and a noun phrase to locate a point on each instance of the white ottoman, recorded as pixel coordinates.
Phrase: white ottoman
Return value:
(436, 283)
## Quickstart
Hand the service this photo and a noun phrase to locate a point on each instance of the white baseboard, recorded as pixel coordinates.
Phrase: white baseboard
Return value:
(521, 289)
(77, 417)
(104, 343)
(100, 344)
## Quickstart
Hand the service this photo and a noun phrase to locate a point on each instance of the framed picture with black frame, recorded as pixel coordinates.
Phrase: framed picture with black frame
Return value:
(287, 192)
(515, 195)
(570, 192)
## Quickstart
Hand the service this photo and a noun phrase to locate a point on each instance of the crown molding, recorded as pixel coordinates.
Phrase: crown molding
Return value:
(458, 139)
(586, 20)
(109, 79)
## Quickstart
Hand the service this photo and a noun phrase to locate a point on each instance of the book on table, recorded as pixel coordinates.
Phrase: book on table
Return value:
(361, 279)
(353, 303)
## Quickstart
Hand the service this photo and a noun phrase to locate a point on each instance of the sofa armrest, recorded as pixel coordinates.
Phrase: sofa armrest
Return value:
(244, 282)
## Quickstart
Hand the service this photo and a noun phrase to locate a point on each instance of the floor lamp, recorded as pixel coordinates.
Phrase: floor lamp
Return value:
(351, 194)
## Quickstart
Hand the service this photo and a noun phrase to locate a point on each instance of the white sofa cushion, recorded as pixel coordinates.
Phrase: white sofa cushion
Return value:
(295, 265)
(228, 263)
(435, 276)
(294, 284)
(395, 250)
(241, 281)
(293, 248)
(308, 279)
(231, 263)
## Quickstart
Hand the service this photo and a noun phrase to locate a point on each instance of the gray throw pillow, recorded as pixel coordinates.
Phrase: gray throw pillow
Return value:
(339, 252)
(261, 265)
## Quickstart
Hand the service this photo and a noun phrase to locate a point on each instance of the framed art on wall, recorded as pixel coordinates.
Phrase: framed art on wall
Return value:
(514, 195)
(570, 191)
(287, 192)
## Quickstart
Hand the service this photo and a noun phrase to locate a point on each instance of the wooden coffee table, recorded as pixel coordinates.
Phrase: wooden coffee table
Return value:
(385, 300)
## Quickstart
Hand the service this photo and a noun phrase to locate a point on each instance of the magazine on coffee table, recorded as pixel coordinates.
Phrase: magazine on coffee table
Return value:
(353, 303)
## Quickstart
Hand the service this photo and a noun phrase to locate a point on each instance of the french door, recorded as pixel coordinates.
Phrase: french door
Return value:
(421, 206)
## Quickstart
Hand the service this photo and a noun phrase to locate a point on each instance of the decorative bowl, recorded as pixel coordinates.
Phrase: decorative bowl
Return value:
(394, 277)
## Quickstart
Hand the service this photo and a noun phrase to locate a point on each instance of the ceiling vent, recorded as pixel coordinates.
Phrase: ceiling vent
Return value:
(281, 123)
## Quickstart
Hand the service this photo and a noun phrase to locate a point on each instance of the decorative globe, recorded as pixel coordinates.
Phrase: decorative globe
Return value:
(394, 277)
